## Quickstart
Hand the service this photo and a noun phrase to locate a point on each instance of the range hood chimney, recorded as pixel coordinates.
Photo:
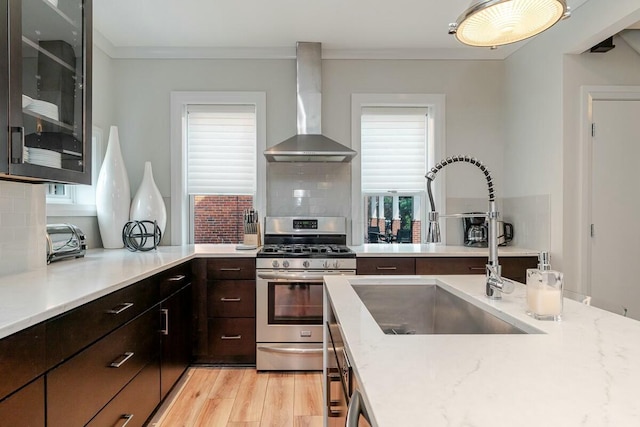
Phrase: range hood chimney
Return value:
(309, 145)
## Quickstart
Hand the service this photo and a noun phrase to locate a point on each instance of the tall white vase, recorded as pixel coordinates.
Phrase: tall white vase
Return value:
(147, 204)
(113, 195)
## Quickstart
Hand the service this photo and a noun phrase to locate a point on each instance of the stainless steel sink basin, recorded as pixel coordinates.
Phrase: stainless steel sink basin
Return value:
(427, 309)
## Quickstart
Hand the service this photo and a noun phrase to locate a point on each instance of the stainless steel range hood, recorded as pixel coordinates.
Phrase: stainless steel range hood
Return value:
(309, 145)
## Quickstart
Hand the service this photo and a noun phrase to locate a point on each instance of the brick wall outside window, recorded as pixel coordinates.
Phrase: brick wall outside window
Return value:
(218, 219)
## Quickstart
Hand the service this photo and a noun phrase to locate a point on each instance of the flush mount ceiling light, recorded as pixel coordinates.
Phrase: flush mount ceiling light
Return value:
(491, 23)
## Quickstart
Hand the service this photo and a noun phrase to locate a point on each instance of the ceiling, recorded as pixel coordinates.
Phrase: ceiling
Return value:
(260, 28)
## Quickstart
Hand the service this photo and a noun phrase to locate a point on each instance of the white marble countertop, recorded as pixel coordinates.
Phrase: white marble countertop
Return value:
(433, 250)
(32, 297)
(583, 371)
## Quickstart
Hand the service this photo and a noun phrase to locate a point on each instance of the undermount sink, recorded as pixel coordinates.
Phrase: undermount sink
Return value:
(427, 309)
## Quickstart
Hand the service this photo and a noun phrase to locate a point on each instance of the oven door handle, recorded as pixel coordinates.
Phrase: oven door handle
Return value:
(292, 350)
(295, 276)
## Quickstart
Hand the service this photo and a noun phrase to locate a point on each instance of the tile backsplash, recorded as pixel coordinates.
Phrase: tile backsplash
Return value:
(310, 189)
(22, 227)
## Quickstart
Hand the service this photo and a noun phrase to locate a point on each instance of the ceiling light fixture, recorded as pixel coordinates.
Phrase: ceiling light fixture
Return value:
(491, 23)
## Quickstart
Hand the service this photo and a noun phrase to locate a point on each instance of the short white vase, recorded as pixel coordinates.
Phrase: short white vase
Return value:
(113, 195)
(147, 204)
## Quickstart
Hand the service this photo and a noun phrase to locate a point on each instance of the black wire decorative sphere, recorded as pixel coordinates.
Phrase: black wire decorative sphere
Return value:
(141, 235)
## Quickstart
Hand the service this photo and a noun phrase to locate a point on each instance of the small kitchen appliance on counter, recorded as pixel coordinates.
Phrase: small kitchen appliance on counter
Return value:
(64, 241)
(476, 231)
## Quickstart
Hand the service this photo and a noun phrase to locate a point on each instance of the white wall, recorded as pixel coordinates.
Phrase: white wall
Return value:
(539, 157)
(474, 111)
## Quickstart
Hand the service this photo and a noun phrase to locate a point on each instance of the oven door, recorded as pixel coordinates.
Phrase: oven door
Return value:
(289, 306)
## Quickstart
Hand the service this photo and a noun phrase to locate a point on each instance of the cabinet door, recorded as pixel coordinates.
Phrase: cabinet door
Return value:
(231, 268)
(49, 109)
(80, 387)
(176, 338)
(135, 403)
(390, 265)
(24, 408)
(21, 359)
(232, 340)
(231, 298)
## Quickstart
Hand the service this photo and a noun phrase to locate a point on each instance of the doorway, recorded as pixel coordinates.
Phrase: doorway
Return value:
(612, 246)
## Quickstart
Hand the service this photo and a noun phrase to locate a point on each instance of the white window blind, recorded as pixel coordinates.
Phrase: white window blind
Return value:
(221, 149)
(393, 149)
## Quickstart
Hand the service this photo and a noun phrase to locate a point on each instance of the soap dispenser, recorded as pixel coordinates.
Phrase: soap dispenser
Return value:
(544, 290)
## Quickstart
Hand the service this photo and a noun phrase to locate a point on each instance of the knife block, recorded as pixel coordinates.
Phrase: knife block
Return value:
(253, 238)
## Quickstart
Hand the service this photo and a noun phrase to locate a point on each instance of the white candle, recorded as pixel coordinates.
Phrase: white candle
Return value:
(544, 300)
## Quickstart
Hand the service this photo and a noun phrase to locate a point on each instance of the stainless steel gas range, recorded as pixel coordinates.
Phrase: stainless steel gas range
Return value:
(297, 253)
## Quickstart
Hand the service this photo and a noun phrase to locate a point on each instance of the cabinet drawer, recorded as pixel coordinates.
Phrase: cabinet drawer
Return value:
(386, 266)
(174, 279)
(80, 387)
(515, 268)
(231, 268)
(72, 331)
(451, 265)
(231, 298)
(134, 403)
(21, 358)
(24, 408)
(232, 340)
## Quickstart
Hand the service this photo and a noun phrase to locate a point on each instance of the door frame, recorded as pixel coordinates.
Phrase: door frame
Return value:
(589, 94)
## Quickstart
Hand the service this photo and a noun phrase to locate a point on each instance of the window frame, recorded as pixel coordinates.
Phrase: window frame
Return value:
(180, 201)
(435, 104)
(73, 203)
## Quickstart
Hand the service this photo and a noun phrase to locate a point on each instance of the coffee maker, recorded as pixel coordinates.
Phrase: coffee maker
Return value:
(476, 232)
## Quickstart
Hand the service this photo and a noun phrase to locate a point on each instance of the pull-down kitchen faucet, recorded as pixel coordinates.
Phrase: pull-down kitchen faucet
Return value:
(496, 284)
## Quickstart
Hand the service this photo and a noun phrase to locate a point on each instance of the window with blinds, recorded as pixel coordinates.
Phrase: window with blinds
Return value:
(220, 169)
(393, 161)
(393, 149)
(221, 149)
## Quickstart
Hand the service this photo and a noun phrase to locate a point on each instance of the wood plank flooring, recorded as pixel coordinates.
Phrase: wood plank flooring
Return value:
(243, 397)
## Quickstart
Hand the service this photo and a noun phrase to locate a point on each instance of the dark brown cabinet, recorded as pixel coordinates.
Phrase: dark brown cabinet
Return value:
(45, 86)
(226, 306)
(21, 359)
(134, 403)
(386, 265)
(176, 337)
(25, 408)
(512, 267)
(81, 386)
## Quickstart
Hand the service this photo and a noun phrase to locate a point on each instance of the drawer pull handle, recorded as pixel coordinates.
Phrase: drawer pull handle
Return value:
(126, 418)
(230, 269)
(165, 319)
(230, 299)
(478, 268)
(120, 308)
(120, 361)
(386, 268)
(178, 278)
(231, 337)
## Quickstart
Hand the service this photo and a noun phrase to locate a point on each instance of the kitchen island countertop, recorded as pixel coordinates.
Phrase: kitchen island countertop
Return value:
(583, 371)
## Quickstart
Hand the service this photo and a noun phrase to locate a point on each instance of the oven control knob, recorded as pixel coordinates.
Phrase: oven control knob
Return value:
(336, 264)
(305, 264)
(275, 264)
(285, 263)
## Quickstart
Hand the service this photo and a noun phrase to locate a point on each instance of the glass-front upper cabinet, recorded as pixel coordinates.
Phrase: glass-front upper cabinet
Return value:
(49, 90)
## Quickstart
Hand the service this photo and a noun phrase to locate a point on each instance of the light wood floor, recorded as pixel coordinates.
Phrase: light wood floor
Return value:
(232, 397)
